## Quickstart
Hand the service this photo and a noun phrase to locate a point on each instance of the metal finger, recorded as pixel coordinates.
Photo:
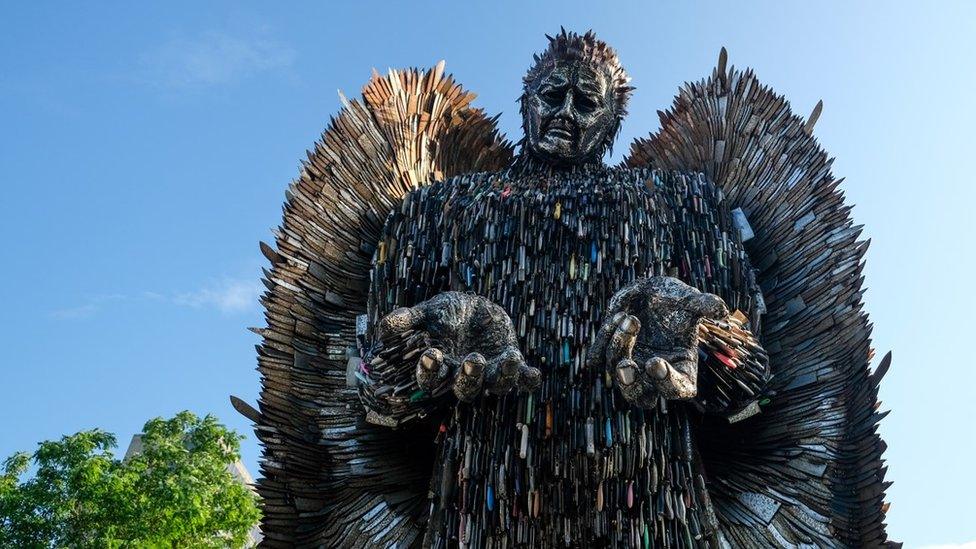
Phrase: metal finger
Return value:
(470, 377)
(673, 382)
(431, 370)
(399, 321)
(503, 371)
(622, 342)
(597, 351)
(658, 369)
(529, 378)
(630, 380)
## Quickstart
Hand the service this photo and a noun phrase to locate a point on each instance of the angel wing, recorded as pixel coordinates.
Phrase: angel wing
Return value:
(807, 470)
(328, 478)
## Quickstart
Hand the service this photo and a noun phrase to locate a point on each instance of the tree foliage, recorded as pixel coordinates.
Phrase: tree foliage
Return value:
(177, 492)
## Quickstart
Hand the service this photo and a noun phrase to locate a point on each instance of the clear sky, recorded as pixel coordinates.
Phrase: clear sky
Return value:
(145, 150)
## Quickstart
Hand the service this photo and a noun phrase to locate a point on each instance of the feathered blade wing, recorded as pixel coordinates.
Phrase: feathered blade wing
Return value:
(329, 479)
(808, 468)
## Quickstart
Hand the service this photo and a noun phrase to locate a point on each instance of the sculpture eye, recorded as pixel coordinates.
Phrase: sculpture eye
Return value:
(554, 97)
(585, 103)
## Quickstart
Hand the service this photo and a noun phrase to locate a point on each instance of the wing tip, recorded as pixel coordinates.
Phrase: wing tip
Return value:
(245, 409)
(814, 116)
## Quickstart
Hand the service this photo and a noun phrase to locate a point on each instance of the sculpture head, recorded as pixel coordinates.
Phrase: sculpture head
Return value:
(573, 100)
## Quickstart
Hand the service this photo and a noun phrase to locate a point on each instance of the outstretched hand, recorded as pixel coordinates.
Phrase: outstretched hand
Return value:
(649, 338)
(469, 338)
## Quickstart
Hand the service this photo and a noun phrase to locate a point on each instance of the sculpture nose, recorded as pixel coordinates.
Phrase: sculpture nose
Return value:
(566, 109)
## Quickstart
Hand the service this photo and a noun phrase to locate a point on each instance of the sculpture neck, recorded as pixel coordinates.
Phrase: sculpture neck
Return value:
(527, 163)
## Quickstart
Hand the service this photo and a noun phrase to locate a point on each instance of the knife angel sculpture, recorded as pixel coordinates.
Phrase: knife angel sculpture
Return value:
(469, 345)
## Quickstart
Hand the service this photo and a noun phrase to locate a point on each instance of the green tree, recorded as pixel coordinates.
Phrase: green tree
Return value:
(177, 492)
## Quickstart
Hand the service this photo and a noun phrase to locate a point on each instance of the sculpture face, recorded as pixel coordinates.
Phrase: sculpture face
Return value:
(569, 118)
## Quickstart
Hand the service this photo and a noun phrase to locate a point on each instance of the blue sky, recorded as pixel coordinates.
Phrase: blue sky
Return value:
(145, 151)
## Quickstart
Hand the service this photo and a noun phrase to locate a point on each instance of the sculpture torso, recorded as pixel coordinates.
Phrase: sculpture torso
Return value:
(573, 463)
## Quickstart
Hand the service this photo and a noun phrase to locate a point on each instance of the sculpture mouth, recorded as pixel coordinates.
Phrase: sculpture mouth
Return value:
(561, 129)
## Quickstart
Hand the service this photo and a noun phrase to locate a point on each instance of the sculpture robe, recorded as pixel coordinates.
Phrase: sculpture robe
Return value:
(573, 463)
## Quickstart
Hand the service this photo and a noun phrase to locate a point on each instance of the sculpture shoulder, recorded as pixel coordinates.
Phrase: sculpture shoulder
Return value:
(457, 185)
(669, 185)
(674, 183)
(609, 183)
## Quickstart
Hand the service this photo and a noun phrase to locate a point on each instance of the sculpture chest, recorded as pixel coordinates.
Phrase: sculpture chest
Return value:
(553, 257)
